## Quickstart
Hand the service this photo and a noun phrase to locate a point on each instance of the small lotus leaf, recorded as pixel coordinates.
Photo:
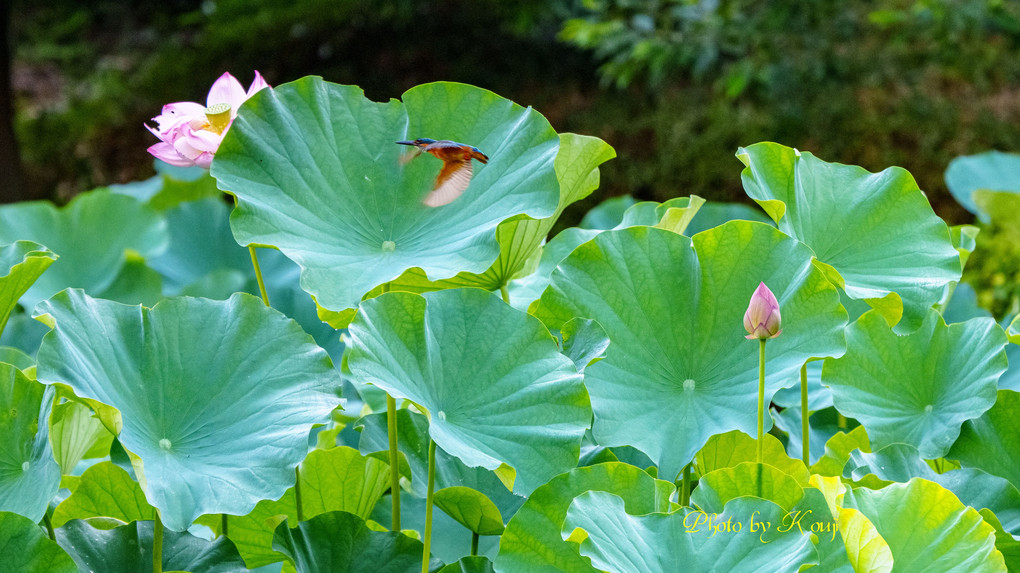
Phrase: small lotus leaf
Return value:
(29, 477)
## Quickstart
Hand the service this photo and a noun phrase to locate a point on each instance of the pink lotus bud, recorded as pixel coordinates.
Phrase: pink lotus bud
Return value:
(190, 133)
(762, 317)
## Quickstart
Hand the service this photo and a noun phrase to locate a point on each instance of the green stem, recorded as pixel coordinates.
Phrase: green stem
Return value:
(761, 400)
(258, 275)
(428, 508)
(840, 421)
(157, 544)
(49, 526)
(474, 543)
(297, 493)
(938, 465)
(223, 524)
(504, 293)
(685, 486)
(391, 423)
(258, 271)
(805, 437)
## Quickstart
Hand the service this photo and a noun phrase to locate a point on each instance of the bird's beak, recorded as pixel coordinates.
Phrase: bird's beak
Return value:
(406, 142)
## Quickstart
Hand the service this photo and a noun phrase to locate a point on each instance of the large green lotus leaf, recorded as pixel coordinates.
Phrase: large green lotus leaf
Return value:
(105, 490)
(991, 170)
(340, 542)
(74, 432)
(532, 539)
(217, 397)
(679, 369)
(718, 487)
(26, 549)
(876, 230)
(29, 477)
(16, 358)
(413, 442)
(252, 534)
(21, 263)
(577, 169)
(686, 539)
(918, 388)
(713, 214)
(991, 442)
(93, 235)
(607, 214)
(901, 463)
(526, 290)
(733, 448)
(129, 548)
(927, 528)
(318, 175)
(492, 378)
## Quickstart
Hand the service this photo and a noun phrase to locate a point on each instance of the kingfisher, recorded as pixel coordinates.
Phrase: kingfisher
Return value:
(456, 173)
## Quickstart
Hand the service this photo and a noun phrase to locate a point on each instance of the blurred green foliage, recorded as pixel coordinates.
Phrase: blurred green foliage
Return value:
(683, 83)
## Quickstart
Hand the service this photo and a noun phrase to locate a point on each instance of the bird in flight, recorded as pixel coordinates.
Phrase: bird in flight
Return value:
(456, 173)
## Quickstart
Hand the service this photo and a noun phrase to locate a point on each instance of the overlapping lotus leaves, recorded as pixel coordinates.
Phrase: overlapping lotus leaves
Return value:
(991, 170)
(974, 487)
(21, 264)
(520, 238)
(318, 175)
(927, 528)
(469, 565)
(413, 442)
(718, 487)
(26, 549)
(491, 377)
(876, 230)
(838, 449)
(129, 548)
(105, 490)
(686, 539)
(217, 397)
(918, 388)
(990, 442)
(733, 448)
(532, 540)
(340, 541)
(75, 433)
(94, 235)
(864, 549)
(678, 369)
(29, 477)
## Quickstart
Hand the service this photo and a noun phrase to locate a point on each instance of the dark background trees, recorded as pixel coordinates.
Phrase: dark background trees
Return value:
(674, 86)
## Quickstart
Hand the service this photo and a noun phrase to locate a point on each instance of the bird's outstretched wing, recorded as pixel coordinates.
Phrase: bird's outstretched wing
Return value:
(453, 179)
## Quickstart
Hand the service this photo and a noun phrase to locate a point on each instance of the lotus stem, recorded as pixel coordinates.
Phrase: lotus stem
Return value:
(805, 437)
(504, 293)
(258, 270)
(258, 275)
(391, 425)
(157, 543)
(474, 543)
(761, 400)
(840, 421)
(223, 524)
(685, 486)
(426, 552)
(297, 493)
(49, 526)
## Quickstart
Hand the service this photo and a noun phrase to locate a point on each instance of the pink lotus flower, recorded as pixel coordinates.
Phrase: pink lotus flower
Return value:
(762, 318)
(190, 133)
